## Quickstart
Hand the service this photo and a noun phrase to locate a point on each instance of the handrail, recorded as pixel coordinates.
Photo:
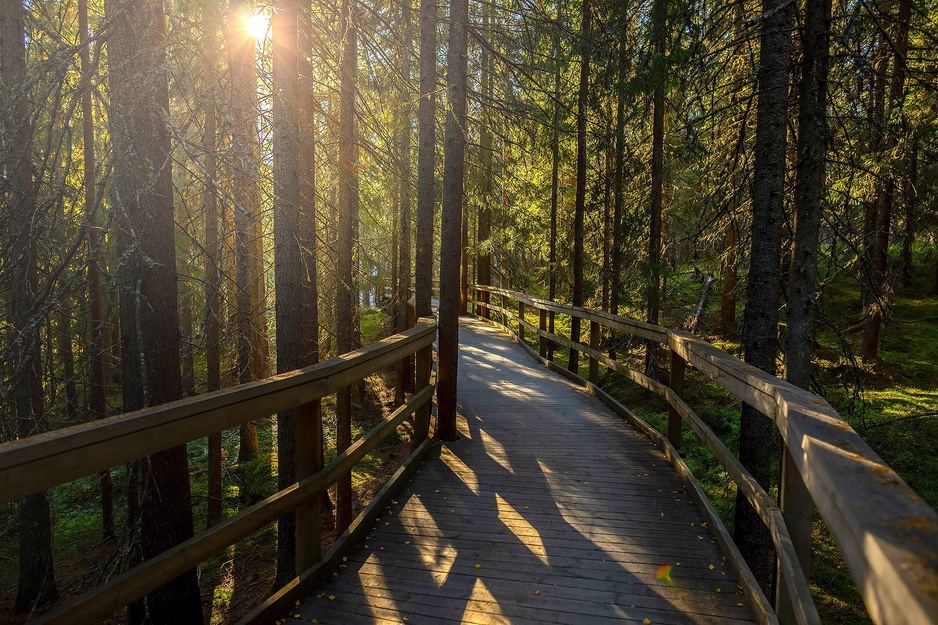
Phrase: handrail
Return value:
(38, 462)
(887, 533)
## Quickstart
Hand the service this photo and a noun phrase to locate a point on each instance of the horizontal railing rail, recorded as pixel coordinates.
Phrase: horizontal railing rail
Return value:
(36, 463)
(887, 533)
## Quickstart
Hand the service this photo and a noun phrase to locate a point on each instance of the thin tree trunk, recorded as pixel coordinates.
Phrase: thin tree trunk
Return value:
(246, 166)
(346, 270)
(619, 183)
(653, 292)
(880, 255)
(809, 190)
(147, 279)
(36, 581)
(96, 392)
(212, 256)
(188, 354)
(453, 172)
(67, 356)
(911, 201)
(730, 263)
(404, 268)
(607, 224)
(580, 202)
(292, 353)
(760, 321)
(426, 157)
(484, 233)
(554, 181)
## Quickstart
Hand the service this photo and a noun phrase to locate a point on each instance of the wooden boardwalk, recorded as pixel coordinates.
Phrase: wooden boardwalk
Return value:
(549, 509)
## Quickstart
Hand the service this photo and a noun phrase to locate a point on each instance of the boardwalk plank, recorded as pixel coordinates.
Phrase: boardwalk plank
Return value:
(546, 491)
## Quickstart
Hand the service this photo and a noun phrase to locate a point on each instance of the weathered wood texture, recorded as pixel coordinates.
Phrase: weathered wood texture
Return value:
(887, 533)
(549, 509)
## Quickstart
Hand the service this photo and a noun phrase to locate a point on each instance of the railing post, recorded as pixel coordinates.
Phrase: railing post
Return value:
(542, 324)
(309, 460)
(422, 414)
(595, 338)
(797, 510)
(678, 364)
(550, 343)
(521, 319)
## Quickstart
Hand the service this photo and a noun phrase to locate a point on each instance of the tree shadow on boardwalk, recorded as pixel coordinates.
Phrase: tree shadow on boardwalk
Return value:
(546, 511)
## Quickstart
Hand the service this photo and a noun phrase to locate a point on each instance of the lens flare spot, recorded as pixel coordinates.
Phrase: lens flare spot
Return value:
(664, 573)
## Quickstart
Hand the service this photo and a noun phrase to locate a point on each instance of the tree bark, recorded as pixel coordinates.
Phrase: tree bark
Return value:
(619, 182)
(212, 255)
(36, 581)
(145, 238)
(809, 190)
(347, 268)
(760, 321)
(404, 267)
(453, 172)
(554, 181)
(579, 208)
(484, 232)
(245, 195)
(292, 353)
(426, 159)
(880, 254)
(911, 201)
(653, 292)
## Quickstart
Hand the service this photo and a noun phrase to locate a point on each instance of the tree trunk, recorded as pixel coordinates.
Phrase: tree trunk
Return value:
(580, 201)
(809, 190)
(760, 321)
(453, 171)
(212, 256)
(147, 279)
(880, 253)
(347, 240)
(484, 232)
(911, 201)
(288, 258)
(653, 293)
(36, 582)
(554, 180)
(245, 195)
(426, 158)
(619, 181)
(404, 268)
(97, 401)
(730, 263)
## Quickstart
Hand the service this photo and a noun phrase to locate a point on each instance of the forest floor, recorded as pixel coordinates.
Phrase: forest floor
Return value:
(239, 578)
(892, 403)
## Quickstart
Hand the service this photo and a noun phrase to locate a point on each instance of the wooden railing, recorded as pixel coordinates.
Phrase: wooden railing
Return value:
(887, 533)
(40, 462)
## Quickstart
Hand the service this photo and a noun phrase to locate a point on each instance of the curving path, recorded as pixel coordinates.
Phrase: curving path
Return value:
(549, 509)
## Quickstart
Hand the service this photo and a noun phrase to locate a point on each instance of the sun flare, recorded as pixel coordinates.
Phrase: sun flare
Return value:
(258, 25)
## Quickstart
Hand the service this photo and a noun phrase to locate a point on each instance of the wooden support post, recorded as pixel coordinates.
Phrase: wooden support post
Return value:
(596, 334)
(542, 324)
(676, 383)
(521, 317)
(550, 344)
(309, 461)
(422, 415)
(797, 510)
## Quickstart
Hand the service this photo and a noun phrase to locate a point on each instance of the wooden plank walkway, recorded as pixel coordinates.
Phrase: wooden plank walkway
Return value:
(549, 509)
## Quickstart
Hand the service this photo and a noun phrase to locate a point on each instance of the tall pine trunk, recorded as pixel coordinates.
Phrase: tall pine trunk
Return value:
(760, 320)
(347, 268)
(36, 582)
(879, 257)
(653, 287)
(406, 215)
(212, 254)
(579, 208)
(453, 173)
(147, 280)
(554, 180)
(426, 159)
(484, 232)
